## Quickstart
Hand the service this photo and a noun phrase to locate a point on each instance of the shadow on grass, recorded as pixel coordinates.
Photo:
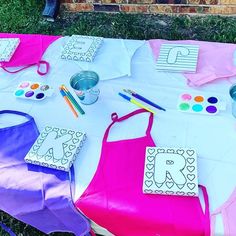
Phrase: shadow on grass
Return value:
(25, 17)
(21, 229)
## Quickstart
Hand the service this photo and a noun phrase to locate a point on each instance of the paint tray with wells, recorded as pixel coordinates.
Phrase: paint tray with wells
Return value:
(33, 90)
(200, 104)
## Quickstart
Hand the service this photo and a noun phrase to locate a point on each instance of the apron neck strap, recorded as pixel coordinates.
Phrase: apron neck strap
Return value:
(207, 214)
(8, 230)
(25, 67)
(115, 119)
(17, 113)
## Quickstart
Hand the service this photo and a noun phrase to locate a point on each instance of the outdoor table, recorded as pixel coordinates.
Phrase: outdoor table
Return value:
(213, 137)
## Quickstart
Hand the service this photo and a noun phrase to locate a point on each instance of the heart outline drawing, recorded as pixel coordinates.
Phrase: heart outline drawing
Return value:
(150, 166)
(148, 191)
(148, 183)
(169, 192)
(160, 150)
(72, 147)
(190, 160)
(170, 151)
(150, 158)
(191, 177)
(159, 191)
(64, 161)
(190, 168)
(68, 154)
(180, 151)
(78, 134)
(151, 150)
(190, 152)
(48, 128)
(75, 140)
(169, 184)
(191, 186)
(149, 174)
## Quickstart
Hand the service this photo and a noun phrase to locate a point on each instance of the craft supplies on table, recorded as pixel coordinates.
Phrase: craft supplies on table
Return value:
(178, 58)
(68, 102)
(81, 48)
(33, 90)
(136, 103)
(200, 104)
(72, 99)
(56, 148)
(140, 97)
(170, 171)
(85, 85)
(8, 47)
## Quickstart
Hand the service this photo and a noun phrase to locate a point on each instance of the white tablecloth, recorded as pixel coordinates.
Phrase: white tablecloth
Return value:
(214, 137)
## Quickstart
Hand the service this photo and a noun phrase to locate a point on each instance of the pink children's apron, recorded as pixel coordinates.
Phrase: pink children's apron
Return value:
(114, 198)
(29, 52)
(228, 212)
(215, 60)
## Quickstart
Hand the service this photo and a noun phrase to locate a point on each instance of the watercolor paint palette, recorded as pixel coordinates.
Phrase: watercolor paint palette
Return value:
(33, 90)
(200, 104)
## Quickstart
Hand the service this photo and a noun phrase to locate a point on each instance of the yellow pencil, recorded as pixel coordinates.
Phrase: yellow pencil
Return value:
(68, 102)
(141, 105)
(136, 103)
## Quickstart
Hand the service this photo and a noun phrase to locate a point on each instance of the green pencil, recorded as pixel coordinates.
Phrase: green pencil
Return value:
(72, 99)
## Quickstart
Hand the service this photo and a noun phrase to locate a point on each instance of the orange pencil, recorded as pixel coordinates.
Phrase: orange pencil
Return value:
(68, 102)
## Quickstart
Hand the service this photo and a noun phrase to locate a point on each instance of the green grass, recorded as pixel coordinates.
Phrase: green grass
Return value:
(22, 229)
(24, 16)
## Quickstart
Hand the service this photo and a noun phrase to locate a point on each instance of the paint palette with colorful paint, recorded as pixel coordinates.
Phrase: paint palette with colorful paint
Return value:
(33, 90)
(200, 104)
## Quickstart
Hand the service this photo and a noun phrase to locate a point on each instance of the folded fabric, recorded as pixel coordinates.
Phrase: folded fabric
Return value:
(29, 52)
(114, 198)
(115, 54)
(36, 195)
(215, 60)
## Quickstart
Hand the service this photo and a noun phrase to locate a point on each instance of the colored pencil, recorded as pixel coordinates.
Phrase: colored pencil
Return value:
(136, 103)
(68, 102)
(138, 96)
(72, 99)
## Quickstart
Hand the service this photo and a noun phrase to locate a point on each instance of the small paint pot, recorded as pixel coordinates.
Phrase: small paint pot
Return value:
(232, 93)
(85, 86)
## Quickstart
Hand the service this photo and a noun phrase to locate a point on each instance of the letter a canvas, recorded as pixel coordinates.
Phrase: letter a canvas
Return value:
(56, 148)
(170, 171)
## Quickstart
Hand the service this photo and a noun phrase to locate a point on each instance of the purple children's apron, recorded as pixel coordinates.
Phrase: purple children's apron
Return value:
(36, 195)
(114, 198)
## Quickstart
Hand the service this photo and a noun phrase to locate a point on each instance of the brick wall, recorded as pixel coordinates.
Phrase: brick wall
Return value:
(225, 7)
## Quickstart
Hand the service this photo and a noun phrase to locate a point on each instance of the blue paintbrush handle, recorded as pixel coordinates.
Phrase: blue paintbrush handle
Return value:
(147, 101)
